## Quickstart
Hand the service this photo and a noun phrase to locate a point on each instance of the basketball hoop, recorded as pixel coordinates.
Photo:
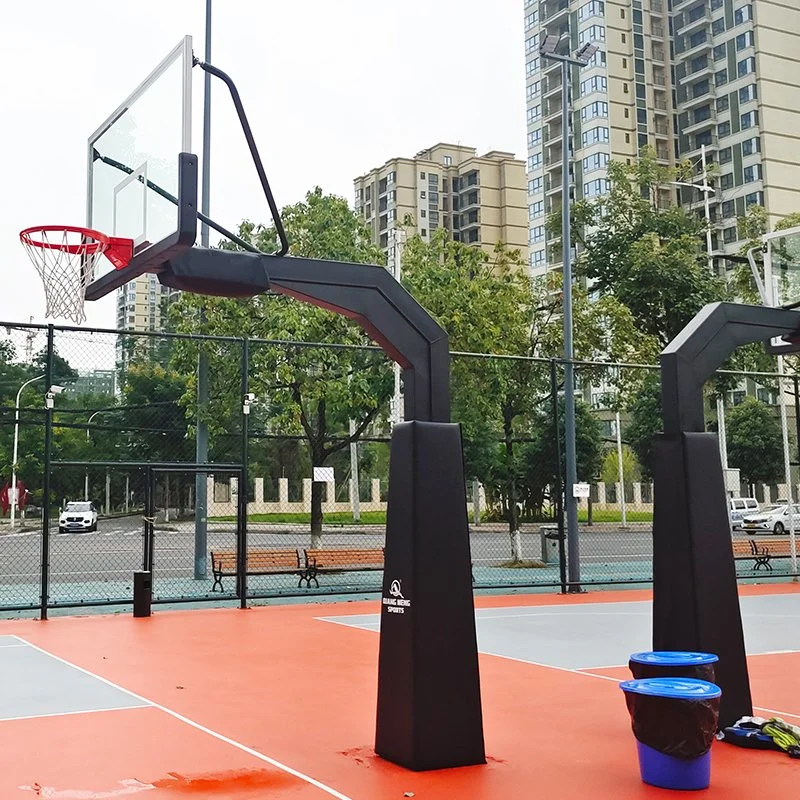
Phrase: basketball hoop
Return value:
(65, 257)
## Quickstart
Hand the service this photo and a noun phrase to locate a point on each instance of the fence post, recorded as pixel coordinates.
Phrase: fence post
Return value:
(241, 517)
(559, 487)
(48, 445)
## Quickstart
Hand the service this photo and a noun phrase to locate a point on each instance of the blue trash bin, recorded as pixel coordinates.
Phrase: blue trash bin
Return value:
(674, 721)
(673, 664)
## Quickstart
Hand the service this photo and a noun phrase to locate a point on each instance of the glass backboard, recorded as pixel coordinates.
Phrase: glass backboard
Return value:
(782, 268)
(133, 172)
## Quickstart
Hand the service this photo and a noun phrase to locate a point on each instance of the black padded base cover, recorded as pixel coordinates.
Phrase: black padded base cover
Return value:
(429, 701)
(220, 273)
(695, 596)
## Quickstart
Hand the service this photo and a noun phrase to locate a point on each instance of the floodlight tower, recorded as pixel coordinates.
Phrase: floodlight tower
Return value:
(578, 60)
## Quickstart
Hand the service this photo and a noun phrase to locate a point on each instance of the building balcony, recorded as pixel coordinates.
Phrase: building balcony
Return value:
(657, 6)
(698, 100)
(551, 87)
(700, 125)
(659, 80)
(701, 71)
(696, 142)
(696, 18)
(657, 31)
(661, 130)
(694, 50)
(551, 9)
(660, 103)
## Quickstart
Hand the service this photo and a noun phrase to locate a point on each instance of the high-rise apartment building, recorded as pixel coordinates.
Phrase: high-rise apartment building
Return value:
(676, 77)
(480, 200)
(140, 305)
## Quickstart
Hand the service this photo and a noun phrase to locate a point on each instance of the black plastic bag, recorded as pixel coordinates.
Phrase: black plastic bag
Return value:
(679, 728)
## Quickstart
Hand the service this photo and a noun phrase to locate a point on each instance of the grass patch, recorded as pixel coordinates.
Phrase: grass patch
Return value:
(607, 515)
(522, 565)
(334, 518)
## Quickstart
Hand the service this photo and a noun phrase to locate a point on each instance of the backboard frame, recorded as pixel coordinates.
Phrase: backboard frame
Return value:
(147, 255)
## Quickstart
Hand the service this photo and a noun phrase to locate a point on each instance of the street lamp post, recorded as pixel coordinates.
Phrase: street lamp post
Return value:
(707, 190)
(86, 474)
(580, 59)
(16, 449)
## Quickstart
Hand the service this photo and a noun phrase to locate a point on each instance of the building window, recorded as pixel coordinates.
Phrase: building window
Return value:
(531, 19)
(725, 155)
(754, 199)
(532, 67)
(536, 234)
(595, 162)
(595, 188)
(531, 44)
(749, 119)
(536, 210)
(533, 90)
(724, 129)
(594, 34)
(534, 113)
(751, 146)
(752, 173)
(730, 235)
(743, 14)
(596, 109)
(595, 135)
(448, 161)
(723, 103)
(422, 176)
(534, 137)
(535, 185)
(720, 52)
(745, 40)
(423, 232)
(534, 161)
(748, 93)
(721, 77)
(422, 194)
(700, 88)
(746, 66)
(599, 83)
(537, 258)
(729, 209)
(593, 9)
(423, 213)
(726, 181)
(715, 4)
(473, 236)
(718, 26)
(391, 177)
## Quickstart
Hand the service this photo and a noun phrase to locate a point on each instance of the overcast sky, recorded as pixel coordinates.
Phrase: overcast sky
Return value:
(332, 87)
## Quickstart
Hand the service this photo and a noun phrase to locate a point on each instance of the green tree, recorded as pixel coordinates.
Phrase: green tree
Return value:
(645, 423)
(62, 373)
(309, 391)
(488, 304)
(631, 471)
(647, 255)
(754, 441)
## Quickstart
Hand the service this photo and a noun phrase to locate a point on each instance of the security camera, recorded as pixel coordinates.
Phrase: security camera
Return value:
(55, 389)
(250, 397)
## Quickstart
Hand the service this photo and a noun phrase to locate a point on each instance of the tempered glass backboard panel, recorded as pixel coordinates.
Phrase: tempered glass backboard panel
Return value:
(784, 277)
(132, 182)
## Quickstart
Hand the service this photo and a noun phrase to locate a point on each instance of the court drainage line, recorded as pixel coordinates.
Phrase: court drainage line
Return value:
(196, 725)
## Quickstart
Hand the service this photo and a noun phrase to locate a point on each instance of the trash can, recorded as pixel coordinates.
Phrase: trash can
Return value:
(673, 664)
(142, 593)
(550, 539)
(674, 721)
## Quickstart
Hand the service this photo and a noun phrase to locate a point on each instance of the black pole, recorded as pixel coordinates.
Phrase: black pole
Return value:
(559, 487)
(241, 526)
(48, 443)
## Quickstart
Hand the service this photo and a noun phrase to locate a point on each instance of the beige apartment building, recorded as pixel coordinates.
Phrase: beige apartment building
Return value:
(693, 75)
(479, 200)
(140, 305)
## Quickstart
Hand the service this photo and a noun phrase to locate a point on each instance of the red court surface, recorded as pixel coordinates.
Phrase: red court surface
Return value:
(275, 702)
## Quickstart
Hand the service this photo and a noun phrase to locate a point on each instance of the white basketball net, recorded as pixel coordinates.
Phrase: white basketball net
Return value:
(65, 261)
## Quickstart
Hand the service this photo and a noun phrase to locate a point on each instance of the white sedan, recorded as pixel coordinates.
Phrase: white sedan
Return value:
(772, 519)
(77, 516)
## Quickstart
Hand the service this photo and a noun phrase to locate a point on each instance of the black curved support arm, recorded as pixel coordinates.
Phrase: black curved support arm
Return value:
(370, 296)
(251, 143)
(702, 347)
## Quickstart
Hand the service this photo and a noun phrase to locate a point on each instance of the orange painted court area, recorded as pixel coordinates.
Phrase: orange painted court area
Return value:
(276, 702)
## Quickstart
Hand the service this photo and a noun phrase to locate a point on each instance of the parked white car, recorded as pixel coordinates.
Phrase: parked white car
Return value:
(772, 519)
(78, 515)
(741, 507)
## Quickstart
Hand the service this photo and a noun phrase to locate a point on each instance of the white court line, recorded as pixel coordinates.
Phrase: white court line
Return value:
(4, 646)
(71, 713)
(221, 737)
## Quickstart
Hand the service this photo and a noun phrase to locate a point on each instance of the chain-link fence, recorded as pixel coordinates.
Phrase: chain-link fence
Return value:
(229, 465)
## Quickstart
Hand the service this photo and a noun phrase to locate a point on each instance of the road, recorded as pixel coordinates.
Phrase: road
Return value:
(116, 549)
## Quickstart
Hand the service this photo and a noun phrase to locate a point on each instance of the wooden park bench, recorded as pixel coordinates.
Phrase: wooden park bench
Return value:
(350, 559)
(260, 561)
(762, 551)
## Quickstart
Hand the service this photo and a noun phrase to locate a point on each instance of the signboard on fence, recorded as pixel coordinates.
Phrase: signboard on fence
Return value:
(323, 475)
(580, 490)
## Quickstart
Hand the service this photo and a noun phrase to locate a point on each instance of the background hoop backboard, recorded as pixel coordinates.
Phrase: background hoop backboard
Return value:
(781, 283)
(134, 179)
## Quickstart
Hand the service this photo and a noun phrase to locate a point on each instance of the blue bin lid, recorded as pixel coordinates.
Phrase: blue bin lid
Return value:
(677, 688)
(674, 658)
